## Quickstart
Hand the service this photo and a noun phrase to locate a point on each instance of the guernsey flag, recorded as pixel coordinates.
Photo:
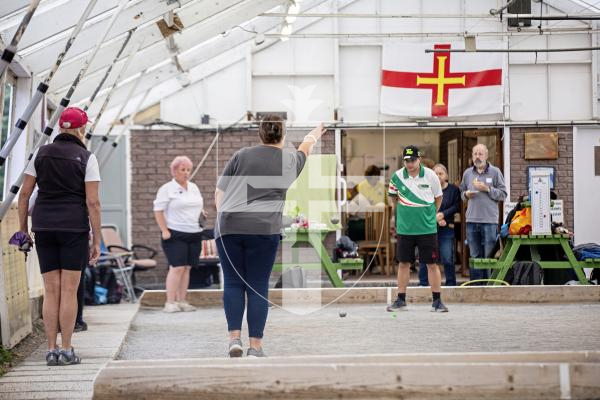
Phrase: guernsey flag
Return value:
(441, 84)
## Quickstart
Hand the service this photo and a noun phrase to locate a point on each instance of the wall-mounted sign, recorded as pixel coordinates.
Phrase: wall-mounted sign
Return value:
(541, 145)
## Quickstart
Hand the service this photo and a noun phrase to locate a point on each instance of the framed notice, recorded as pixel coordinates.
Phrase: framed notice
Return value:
(549, 170)
(541, 145)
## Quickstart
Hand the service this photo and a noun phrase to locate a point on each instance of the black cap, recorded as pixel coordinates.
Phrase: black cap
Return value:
(411, 152)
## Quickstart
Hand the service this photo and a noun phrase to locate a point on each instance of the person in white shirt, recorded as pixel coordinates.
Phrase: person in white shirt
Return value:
(177, 209)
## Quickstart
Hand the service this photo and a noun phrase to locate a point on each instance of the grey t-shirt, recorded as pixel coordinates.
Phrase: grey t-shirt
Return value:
(255, 182)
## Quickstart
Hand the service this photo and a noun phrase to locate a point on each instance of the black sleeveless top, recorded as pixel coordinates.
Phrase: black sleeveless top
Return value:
(61, 203)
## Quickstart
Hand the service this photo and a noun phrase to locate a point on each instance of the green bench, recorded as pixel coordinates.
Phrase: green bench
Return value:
(315, 238)
(501, 266)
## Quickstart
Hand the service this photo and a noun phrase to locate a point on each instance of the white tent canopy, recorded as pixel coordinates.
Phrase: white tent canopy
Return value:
(214, 34)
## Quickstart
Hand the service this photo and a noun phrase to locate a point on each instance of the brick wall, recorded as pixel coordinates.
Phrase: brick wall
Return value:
(151, 153)
(563, 166)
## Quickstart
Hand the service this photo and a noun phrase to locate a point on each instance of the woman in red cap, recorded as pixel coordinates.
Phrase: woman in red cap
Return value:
(67, 176)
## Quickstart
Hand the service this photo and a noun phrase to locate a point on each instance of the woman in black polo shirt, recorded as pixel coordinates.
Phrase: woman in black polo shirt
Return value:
(67, 176)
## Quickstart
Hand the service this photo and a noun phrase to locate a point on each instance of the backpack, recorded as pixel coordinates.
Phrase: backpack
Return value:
(595, 276)
(525, 273)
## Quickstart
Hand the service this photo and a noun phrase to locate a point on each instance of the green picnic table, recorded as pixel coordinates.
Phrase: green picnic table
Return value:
(315, 238)
(501, 266)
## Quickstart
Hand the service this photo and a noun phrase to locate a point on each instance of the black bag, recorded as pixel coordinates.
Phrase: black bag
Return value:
(105, 277)
(345, 248)
(525, 273)
(89, 281)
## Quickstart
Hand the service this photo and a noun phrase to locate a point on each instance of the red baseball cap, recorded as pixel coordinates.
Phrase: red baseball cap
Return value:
(73, 118)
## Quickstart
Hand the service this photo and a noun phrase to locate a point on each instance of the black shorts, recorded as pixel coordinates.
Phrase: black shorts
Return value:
(62, 250)
(426, 244)
(183, 248)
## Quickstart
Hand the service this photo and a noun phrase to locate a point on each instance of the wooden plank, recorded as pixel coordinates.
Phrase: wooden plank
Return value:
(15, 310)
(370, 295)
(262, 379)
(584, 380)
(368, 359)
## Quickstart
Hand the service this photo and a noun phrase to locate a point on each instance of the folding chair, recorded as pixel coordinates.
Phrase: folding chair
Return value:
(140, 256)
(124, 269)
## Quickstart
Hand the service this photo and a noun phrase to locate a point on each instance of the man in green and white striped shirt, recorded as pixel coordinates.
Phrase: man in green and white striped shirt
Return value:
(416, 193)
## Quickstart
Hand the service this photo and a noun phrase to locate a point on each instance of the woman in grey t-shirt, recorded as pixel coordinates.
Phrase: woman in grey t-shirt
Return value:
(249, 197)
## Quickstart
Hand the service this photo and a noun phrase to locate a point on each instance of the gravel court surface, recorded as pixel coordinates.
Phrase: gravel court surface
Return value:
(369, 329)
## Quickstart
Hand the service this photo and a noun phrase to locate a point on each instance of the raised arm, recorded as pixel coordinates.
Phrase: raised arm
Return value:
(312, 138)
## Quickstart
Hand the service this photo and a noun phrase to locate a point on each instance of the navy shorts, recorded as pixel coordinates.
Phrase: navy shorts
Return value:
(62, 250)
(426, 244)
(183, 248)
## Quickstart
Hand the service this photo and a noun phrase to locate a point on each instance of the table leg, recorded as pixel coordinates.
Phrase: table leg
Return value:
(316, 240)
(573, 261)
(507, 258)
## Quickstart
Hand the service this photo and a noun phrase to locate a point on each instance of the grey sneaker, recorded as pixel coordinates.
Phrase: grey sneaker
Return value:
(235, 348)
(252, 352)
(68, 357)
(52, 357)
(398, 305)
(438, 306)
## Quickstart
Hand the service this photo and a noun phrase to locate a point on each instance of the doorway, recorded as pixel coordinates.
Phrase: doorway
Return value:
(455, 153)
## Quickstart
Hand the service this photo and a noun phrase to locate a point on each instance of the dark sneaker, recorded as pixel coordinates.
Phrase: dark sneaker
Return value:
(254, 353)
(80, 327)
(235, 348)
(438, 306)
(52, 357)
(398, 305)
(68, 357)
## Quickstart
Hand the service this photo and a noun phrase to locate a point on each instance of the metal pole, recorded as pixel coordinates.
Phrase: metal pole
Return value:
(558, 17)
(11, 50)
(201, 163)
(88, 135)
(512, 50)
(110, 151)
(42, 88)
(109, 70)
(56, 115)
(131, 92)
(212, 144)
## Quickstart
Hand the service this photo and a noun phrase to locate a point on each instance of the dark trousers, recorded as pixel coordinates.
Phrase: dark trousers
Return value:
(446, 246)
(247, 262)
(481, 239)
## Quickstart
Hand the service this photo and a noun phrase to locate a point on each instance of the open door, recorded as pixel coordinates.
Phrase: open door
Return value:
(455, 153)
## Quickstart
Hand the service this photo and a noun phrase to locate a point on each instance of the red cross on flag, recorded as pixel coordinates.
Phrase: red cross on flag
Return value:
(442, 84)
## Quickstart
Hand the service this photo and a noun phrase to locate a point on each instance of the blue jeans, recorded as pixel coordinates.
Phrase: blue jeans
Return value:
(247, 262)
(481, 239)
(446, 248)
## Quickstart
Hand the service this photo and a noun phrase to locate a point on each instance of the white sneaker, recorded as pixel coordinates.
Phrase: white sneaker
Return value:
(185, 306)
(172, 308)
